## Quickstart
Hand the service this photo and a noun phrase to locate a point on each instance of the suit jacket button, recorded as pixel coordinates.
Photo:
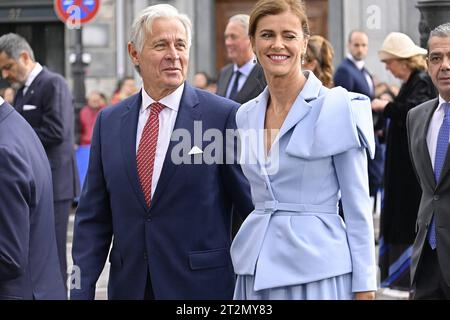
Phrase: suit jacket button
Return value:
(436, 198)
(145, 256)
(149, 218)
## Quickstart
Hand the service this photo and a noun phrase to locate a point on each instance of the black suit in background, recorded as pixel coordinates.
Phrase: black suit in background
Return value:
(29, 265)
(48, 107)
(430, 269)
(253, 86)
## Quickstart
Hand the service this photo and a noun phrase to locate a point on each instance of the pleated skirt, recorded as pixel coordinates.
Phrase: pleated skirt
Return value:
(335, 288)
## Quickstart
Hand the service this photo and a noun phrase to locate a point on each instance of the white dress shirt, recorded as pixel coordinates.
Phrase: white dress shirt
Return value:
(33, 74)
(360, 65)
(433, 129)
(167, 118)
(245, 72)
(1, 101)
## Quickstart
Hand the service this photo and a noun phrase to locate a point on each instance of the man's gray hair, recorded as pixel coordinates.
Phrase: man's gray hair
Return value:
(143, 23)
(441, 31)
(13, 45)
(242, 19)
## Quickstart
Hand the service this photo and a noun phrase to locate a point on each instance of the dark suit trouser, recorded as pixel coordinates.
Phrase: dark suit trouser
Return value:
(148, 295)
(62, 209)
(429, 283)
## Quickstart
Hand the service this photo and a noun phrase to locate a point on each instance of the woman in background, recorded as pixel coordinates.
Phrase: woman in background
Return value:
(406, 61)
(319, 59)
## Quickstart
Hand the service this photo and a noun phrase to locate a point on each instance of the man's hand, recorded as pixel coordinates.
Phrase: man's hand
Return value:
(367, 295)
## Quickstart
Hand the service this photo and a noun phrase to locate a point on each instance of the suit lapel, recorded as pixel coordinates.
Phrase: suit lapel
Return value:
(360, 75)
(187, 114)
(18, 101)
(255, 121)
(301, 106)
(228, 73)
(424, 151)
(128, 129)
(30, 91)
(252, 83)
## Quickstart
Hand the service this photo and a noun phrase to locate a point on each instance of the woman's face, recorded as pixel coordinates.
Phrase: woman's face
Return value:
(398, 68)
(279, 44)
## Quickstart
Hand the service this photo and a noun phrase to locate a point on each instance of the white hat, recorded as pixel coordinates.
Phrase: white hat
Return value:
(399, 45)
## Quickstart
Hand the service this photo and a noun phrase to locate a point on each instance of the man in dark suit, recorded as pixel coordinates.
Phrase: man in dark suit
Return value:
(45, 102)
(29, 265)
(428, 140)
(151, 189)
(243, 79)
(352, 75)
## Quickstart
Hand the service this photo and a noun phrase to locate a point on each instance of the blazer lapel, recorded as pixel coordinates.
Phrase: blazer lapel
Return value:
(255, 121)
(18, 101)
(301, 106)
(31, 89)
(424, 151)
(128, 128)
(252, 83)
(228, 73)
(187, 114)
(360, 75)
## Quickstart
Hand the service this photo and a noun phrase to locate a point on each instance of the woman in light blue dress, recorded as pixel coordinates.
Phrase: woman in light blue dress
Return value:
(303, 147)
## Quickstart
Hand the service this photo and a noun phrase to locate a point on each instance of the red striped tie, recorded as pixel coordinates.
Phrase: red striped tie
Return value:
(147, 149)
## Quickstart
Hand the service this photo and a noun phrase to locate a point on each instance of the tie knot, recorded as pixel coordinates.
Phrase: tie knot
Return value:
(446, 107)
(156, 107)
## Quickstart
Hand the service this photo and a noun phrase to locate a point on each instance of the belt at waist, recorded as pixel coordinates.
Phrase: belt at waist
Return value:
(271, 207)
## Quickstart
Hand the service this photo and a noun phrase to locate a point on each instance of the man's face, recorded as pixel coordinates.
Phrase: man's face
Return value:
(13, 71)
(164, 58)
(358, 46)
(439, 64)
(237, 43)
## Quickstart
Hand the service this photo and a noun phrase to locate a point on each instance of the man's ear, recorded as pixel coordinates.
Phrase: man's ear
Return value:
(25, 57)
(132, 52)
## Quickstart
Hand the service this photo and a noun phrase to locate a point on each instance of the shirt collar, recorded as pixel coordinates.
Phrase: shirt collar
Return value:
(1, 101)
(441, 102)
(171, 101)
(33, 74)
(246, 68)
(359, 64)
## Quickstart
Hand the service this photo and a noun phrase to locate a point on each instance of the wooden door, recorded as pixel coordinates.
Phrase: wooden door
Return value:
(317, 11)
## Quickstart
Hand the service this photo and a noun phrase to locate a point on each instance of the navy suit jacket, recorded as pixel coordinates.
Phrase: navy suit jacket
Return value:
(49, 110)
(29, 266)
(351, 78)
(253, 86)
(183, 239)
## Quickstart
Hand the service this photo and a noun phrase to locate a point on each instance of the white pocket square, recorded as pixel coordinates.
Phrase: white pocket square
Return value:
(29, 107)
(195, 150)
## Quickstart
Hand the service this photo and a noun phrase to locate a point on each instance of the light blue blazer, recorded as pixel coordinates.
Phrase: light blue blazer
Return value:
(295, 234)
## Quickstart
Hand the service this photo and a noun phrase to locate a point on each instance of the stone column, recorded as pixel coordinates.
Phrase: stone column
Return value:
(432, 14)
